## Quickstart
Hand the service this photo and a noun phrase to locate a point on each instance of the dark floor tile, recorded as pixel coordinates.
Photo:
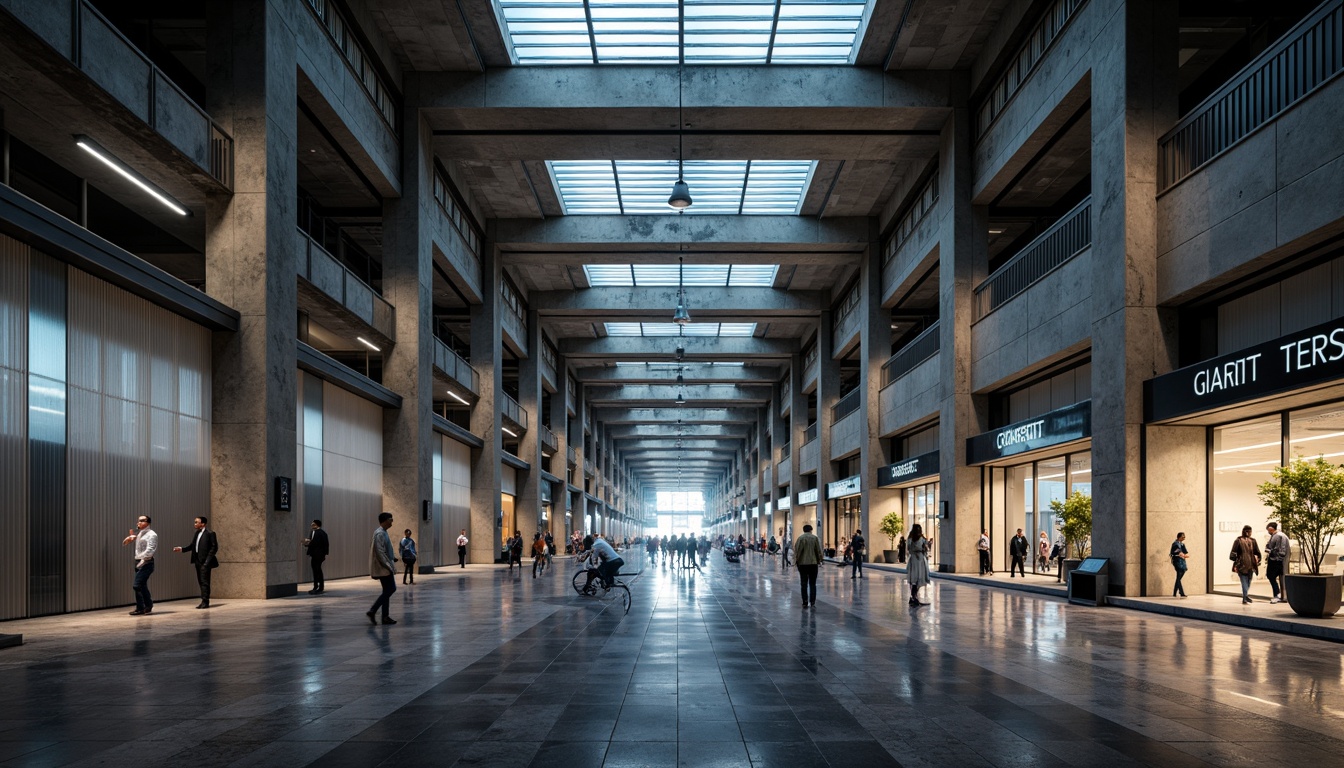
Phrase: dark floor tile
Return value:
(631, 754)
(712, 754)
(354, 754)
(867, 753)
(496, 754)
(709, 730)
(570, 754)
(766, 730)
(781, 754)
(581, 730)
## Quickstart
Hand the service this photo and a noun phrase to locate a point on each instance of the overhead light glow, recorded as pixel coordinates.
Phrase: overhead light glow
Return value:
(509, 432)
(367, 343)
(696, 275)
(457, 397)
(672, 329)
(607, 187)
(92, 147)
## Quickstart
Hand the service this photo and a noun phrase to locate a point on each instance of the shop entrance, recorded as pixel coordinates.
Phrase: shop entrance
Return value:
(1019, 496)
(920, 505)
(842, 517)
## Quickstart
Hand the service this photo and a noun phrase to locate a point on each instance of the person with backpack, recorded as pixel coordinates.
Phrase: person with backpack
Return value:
(408, 558)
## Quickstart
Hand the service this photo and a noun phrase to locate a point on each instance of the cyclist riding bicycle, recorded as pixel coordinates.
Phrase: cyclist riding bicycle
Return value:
(539, 552)
(610, 563)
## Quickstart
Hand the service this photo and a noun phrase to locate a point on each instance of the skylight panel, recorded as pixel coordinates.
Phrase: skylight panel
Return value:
(567, 32)
(769, 187)
(672, 329)
(665, 275)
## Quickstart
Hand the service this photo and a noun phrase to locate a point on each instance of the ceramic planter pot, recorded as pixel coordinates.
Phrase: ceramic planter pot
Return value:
(1313, 597)
(889, 556)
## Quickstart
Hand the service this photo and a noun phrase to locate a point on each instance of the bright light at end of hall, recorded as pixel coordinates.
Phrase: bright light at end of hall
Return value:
(108, 159)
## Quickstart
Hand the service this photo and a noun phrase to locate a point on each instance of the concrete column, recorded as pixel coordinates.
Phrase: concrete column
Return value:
(559, 527)
(963, 230)
(874, 351)
(828, 394)
(580, 506)
(408, 434)
(487, 342)
(1133, 102)
(530, 393)
(780, 433)
(251, 265)
(799, 515)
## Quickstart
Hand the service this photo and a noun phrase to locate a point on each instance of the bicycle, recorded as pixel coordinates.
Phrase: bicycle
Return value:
(539, 563)
(786, 560)
(618, 591)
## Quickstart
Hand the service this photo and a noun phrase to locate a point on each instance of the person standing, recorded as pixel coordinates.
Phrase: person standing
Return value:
(857, 545)
(1017, 548)
(203, 547)
(1179, 554)
(1277, 551)
(917, 571)
(408, 558)
(982, 547)
(900, 550)
(1057, 554)
(383, 567)
(516, 553)
(146, 545)
(319, 546)
(807, 554)
(462, 549)
(1245, 561)
(1042, 553)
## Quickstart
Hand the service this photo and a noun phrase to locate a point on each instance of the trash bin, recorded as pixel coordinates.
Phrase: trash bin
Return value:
(1090, 581)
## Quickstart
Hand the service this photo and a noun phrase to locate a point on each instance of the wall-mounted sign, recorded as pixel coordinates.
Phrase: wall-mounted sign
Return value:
(785, 504)
(1062, 425)
(426, 510)
(1298, 360)
(925, 465)
(284, 494)
(768, 507)
(807, 497)
(850, 486)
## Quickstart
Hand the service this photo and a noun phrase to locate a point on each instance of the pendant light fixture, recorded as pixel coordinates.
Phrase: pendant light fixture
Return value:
(681, 192)
(681, 316)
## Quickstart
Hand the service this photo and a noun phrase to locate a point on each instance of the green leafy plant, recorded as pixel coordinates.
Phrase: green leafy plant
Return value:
(1075, 514)
(891, 526)
(1307, 497)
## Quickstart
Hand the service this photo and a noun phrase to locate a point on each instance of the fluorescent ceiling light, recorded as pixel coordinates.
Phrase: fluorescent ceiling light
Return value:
(367, 343)
(672, 329)
(612, 187)
(696, 275)
(108, 159)
(696, 31)
(509, 432)
(457, 397)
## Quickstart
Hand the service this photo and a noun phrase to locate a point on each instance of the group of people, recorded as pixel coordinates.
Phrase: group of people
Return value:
(203, 548)
(1018, 551)
(542, 547)
(1246, 558)
(808, 555)
(683, 549)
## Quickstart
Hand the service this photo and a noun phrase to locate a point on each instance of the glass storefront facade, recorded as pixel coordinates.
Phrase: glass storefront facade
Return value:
(842, 516)
(920, 505)
(1019, 496)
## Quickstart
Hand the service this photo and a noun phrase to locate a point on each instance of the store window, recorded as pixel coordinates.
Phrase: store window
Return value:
(1019, 497)
(1244, 456)
(921, 506)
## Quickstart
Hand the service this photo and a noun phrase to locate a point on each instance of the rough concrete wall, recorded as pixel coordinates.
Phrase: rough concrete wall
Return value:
(1175, 499)
(1281, 184)
(845, 436)
(913, 397)
(1050, 318)
(912, 259)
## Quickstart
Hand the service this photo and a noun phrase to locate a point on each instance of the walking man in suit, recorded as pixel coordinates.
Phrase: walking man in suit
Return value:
(857, 545)
(203, 548)
(318, 549)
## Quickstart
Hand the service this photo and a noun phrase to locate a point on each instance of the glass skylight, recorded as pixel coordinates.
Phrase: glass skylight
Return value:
(682, 365)
(672, 329)
(665, 275)
(771, 187)
(683, 31)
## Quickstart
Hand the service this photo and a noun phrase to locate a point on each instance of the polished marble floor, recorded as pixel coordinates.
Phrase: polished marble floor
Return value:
(713, 668)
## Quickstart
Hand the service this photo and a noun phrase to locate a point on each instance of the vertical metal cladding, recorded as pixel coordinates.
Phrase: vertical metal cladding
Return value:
(455, 509)
(352, 479)
(14, 260)
(434, 530)
(46, 435)
(309, 481)
(139, 440)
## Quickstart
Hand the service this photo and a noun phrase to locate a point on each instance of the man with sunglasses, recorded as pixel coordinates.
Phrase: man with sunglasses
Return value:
(146, 545)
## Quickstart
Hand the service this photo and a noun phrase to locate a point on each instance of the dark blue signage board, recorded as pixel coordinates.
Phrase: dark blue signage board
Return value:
(924, 465)
(1298, 360)
(1062, 425)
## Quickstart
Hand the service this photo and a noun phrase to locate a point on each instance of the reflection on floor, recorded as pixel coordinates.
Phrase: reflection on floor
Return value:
(713, 668)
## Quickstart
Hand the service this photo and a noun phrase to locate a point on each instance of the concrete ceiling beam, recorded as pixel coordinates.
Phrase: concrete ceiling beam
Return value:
(639, 302)
(670, 416)
(684, 232)
(666, 393)
(726, 431)
(700, 373)
(645, 443)
(658, 348)
(664, 253)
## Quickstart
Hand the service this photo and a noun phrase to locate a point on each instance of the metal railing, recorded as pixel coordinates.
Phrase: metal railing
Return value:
(570, 454)
(846, 405)
(911, 217)
(460, 220)
(810, 433)
(549, 439)
(920, 348)
(357, 59)
(587, 466)
(1024, 62)
(548, 357)
(337, 281)
(512, 410)
(1064, 239)
(455, 367)
(785, 451)
(1304, 59)
(810, 357)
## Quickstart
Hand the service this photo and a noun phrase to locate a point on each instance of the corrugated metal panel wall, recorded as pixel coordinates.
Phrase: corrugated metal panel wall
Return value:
(14, 258)
(454, 510)
(139, 392)
(308, 483)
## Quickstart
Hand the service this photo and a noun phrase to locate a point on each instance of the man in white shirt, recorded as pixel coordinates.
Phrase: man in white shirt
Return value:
(1277, 552)
(982, 547)
(146, 545)
(462, 548)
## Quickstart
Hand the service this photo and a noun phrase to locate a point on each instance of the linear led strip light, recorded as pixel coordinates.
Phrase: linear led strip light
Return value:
(108, 159)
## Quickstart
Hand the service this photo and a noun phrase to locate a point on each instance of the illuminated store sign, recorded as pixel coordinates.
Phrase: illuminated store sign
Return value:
(1062, 425)
(785, 504)
(1298, 360)
(850, 486)
(807, 497)
(917, 468)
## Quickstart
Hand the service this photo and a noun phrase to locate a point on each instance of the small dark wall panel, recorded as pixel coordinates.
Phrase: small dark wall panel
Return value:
(14, 257)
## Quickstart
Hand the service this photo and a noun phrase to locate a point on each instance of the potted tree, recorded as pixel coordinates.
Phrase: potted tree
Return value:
(891, 526)
(1075, 515)
(1307, 497)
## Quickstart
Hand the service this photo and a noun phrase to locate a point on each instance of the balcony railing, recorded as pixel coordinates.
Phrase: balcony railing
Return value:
(357, 59)
(570, 454)
(846, 405)
(587, 467)
(334, 279)
(548, 357)
(785, 451)
(810, 357)
(1064, 239)
(912, 216)
(548, 438)
(921, 348)
(455, 368)
(510, 409)
(810, 433)
(1310, 54)
(1020, 67)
